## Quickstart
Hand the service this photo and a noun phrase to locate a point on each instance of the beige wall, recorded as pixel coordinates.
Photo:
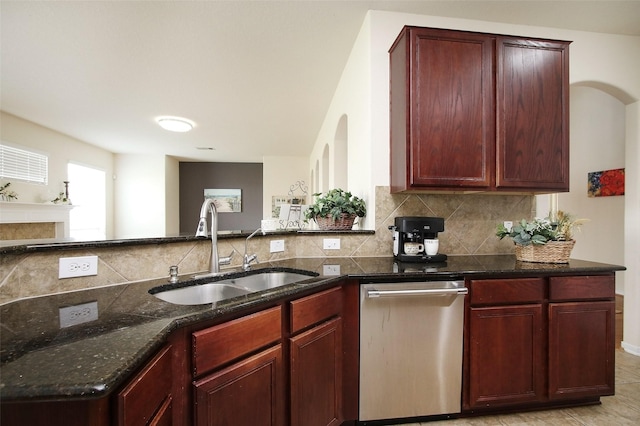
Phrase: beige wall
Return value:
(278, 175)
(597, 143)
(146, 196)
(61, 149)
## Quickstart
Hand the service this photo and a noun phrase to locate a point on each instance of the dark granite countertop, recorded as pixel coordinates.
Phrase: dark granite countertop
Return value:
(40, 360)
(33, 246)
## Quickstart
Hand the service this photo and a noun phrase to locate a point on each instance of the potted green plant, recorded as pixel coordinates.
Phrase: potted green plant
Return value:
(543, 240)
(335, 210)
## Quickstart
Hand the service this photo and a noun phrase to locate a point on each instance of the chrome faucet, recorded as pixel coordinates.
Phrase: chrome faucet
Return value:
(247, 259)
(214, 264)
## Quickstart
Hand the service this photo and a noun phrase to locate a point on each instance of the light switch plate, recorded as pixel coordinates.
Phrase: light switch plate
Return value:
(276, 246)
(81, 266)
(331, 243)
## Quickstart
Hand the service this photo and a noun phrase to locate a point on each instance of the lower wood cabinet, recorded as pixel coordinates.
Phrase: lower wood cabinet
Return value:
(505, 342)
(249, 392)
(238, 371)
(532, 342)
(280, 366)
(581, 337)
(316, 360)
(507, 350)
(529, 343)
(54, 413)
(146, 399)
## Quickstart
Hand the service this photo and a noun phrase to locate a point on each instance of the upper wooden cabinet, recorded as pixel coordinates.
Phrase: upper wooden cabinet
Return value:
(533, 114)
(478, 112)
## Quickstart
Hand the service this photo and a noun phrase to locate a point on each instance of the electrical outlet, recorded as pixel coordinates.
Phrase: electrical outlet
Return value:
(508, 224)
(78, 314)
(331, 243)
(77, 266)
(276, 246)
(330, 270)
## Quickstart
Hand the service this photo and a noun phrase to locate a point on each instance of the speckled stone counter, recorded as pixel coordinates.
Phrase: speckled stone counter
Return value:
(40, 360)
(32, 246)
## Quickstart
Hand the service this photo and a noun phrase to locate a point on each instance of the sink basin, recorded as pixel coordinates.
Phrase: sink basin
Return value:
(200, 294)
(265, 280)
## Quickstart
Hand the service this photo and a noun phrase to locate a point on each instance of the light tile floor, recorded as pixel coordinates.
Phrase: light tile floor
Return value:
(621, 409)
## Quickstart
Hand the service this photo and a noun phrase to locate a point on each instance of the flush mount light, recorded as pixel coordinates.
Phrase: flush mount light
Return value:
(175, 124)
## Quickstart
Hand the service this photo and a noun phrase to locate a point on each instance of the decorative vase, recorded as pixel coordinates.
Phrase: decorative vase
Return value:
(343, 223)
(551, 252)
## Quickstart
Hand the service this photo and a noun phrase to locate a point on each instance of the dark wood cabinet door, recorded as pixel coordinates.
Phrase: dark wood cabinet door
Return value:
(148, 393)
(316, 376)
(506, 362)
(247, 393)
(442, 110)
(581, 349)
(532, 114)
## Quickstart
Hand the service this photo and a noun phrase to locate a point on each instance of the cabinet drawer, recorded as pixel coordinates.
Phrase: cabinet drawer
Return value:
(222, 343)
(582, 288)
(315, 308)
(139, 400)
(503, 291)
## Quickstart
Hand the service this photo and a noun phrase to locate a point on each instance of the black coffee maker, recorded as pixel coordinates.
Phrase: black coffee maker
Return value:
(415, 239)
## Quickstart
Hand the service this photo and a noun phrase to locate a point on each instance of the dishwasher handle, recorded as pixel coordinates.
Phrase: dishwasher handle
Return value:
(428, 292)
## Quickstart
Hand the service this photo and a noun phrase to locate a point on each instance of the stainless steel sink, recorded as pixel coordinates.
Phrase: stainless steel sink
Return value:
(199, 294)
(265, 280)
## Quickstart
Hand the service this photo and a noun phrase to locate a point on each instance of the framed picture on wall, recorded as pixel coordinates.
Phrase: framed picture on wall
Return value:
(225, 200)
(605, 183)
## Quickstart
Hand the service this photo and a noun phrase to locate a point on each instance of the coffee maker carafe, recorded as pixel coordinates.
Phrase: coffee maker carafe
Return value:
(415, 239)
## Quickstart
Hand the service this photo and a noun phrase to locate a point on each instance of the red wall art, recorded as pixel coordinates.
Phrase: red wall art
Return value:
(606, 183)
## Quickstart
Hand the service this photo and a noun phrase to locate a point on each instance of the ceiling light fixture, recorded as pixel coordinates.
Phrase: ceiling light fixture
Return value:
(175, 124)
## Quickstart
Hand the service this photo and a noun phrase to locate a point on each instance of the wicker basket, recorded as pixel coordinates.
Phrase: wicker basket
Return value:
(552, 252)
(343, 223)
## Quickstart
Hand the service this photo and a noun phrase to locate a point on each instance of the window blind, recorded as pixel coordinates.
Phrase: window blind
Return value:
(23, 165)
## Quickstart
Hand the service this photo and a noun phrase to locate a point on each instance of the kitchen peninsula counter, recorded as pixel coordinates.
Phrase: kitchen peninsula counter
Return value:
(40, 360)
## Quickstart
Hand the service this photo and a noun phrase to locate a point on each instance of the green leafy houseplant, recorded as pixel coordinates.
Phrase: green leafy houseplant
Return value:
(541, 231)
(335, 204)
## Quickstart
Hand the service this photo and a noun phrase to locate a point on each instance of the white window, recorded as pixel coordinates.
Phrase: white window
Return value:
(23, 165)
(87, 192)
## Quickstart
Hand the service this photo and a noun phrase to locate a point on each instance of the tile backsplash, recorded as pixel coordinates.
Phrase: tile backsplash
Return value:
(470, 222)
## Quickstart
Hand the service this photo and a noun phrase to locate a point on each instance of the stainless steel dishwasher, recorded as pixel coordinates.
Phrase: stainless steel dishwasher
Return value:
(411, 349)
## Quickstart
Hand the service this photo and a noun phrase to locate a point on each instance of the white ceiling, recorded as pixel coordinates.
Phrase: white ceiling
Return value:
(256, 76)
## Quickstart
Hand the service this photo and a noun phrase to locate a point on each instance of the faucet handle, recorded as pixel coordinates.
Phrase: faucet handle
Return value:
(173, 274)
(246, 262)
(226, 260)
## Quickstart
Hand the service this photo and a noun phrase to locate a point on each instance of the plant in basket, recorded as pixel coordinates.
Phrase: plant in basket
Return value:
(543, 240)
(335, 210)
